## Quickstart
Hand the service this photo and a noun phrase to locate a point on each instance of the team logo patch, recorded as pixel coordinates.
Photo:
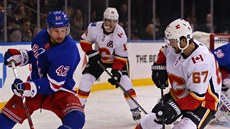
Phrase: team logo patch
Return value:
(120, 35)
(198, 58)
(178, 26)
(58, 17)
(110, 44)
(47, 46)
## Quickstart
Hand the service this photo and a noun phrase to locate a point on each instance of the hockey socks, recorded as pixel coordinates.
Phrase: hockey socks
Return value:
(5, 122)
(73, 120)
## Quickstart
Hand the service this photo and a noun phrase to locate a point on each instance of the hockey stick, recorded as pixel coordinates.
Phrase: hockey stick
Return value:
(225, 104)
(122, 88)
(162, 104)
(23, 98)
(225, 101)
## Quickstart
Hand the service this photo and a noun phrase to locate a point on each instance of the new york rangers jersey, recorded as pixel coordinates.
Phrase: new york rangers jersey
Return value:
(111, 46)
(222, 56)
(53, 65)
(195, 80)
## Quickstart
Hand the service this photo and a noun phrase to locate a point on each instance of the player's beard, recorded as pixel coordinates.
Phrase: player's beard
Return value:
(177, 50)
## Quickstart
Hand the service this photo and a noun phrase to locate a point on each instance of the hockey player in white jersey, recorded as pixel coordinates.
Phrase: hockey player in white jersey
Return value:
(222, 56)
(194, 77)
(109, 40)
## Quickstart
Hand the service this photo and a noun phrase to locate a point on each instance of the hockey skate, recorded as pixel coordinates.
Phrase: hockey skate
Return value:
(136, 113)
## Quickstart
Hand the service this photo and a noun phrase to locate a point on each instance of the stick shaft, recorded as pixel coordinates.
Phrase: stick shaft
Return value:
(225, 101)
(23, 99)
(162, 104)
(122, 88)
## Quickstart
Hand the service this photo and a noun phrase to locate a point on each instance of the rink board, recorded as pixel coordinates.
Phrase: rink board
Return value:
(141, 57)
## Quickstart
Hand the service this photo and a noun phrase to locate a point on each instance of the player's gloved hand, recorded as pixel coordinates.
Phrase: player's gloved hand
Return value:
(28, 89)
(94, 56)
(19, 57)
(169, 112)
(116, 76)
(160, 75)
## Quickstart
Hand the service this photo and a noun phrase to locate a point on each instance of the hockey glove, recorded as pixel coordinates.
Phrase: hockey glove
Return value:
(28, 89)
(116, 76)
(169, 112)
(94, 57)
(20, 57)
(160, 75)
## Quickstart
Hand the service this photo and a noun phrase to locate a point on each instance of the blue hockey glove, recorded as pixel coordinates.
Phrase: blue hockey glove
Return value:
(160, 75)
(116, 76)
(28, 89)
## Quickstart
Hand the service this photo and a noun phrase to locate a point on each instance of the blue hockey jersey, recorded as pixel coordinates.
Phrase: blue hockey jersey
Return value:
(222, 55)
(53, 65)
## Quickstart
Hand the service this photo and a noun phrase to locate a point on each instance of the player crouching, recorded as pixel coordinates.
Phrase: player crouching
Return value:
(194, 77)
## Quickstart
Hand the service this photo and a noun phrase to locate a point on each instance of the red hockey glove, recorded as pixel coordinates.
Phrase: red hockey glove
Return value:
(20, 57)
(28, 89)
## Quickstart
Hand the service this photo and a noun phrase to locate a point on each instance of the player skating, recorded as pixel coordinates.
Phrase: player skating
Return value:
(194, 77)
(109, 41)
(54, 57)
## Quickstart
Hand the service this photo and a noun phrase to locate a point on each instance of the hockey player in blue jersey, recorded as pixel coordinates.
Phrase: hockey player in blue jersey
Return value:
(222, 56)
(54, 57)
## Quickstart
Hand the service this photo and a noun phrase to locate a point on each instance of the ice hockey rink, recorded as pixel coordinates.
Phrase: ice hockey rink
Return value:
(106, 109)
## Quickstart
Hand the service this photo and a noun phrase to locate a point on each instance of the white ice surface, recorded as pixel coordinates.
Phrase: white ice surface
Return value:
(105, 110)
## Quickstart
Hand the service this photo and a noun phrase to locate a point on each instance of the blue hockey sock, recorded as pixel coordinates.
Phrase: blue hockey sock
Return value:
(5, 122)
(73, 120)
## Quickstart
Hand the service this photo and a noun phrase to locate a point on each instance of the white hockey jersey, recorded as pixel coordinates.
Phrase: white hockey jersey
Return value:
(195, 80)
(111, 46)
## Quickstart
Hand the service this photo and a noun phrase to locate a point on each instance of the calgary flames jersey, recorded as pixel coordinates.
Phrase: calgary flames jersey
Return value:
(195, 80)
(111, 46)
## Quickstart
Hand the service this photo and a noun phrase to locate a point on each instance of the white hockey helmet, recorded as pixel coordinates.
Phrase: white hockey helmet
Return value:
(111, 14)
(177, 29)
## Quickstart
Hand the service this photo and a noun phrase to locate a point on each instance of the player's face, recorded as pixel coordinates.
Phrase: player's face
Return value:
(173, 44)
(109, 24)
(57, 35)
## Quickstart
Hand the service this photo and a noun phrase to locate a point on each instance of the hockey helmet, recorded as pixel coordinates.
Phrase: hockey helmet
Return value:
(57, 19)
(111, 14)
(177, 29)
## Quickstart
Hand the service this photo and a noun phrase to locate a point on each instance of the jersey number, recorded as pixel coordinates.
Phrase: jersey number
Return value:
(62, 70)
(198, 75)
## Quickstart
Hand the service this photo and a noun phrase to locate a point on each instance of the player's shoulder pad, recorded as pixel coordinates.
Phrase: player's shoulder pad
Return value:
(202, 57)
(41, 36)
(164, 47)
(93, 24)
(120, 32)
